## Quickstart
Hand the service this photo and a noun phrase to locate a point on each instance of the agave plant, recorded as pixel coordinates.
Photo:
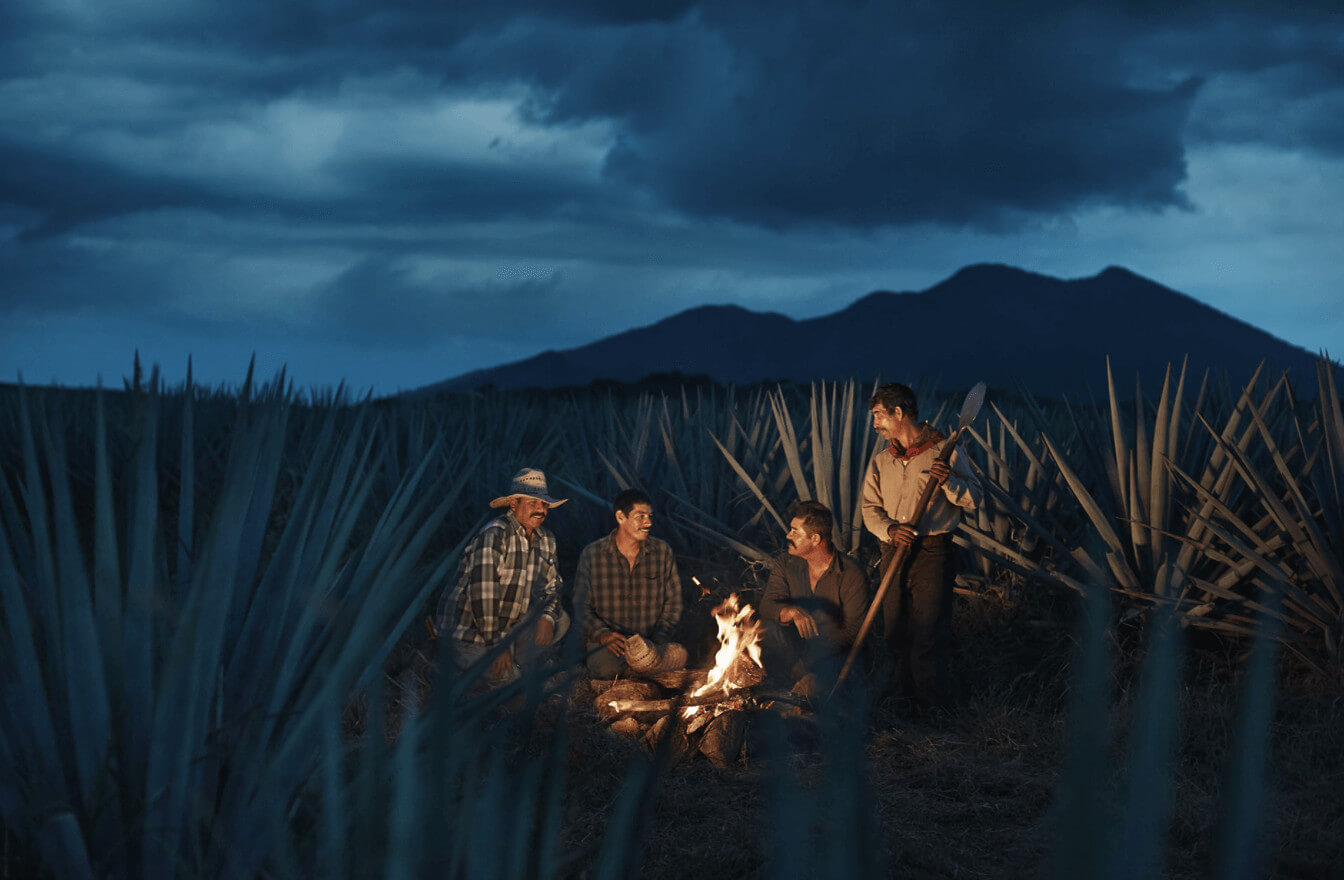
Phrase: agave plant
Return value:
(1119, 832)
(1283, 546)
(1204, 509)
(165, 706)
(664, 446)
(1025, 515)
(1123, 493)
(828, 464)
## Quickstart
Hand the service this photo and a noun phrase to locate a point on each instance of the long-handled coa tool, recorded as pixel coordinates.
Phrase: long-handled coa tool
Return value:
(970, 408)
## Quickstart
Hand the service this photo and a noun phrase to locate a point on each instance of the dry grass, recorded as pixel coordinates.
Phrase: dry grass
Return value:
(968, 792)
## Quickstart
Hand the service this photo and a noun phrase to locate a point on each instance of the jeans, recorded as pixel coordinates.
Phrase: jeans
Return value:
(524, 651)
(789, 657)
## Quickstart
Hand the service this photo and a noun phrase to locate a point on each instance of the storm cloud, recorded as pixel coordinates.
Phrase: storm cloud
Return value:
(367, 170)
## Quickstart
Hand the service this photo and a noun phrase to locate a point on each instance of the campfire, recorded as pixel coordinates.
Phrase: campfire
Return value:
(737, 665)
(707, 710)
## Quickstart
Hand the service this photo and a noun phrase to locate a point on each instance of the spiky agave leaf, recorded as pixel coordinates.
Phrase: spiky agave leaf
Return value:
(194, 746)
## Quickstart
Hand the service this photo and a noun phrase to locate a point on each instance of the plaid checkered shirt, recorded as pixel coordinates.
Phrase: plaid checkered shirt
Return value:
(502, 573)
(615, 597)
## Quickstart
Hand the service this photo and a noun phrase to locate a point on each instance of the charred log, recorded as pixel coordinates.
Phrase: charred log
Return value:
(623, 691)
(673, 729)
(636, 707)
(723, 738)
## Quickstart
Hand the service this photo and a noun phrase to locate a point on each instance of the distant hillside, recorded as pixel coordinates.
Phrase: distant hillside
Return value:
(987, 322)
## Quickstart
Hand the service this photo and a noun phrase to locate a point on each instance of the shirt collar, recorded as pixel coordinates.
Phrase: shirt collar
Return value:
(834, 564)
(610, 541)
(924, 441)
(518, 529)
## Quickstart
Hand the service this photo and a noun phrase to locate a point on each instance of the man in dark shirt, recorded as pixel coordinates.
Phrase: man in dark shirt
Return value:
(815, 600)
(626, 585)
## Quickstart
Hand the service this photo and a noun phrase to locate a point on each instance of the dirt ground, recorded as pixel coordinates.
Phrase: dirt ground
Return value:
(968, 792)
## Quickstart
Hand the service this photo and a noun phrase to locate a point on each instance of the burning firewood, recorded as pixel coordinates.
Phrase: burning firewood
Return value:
(723, 738)
(642, 708)
(743, 673)
(711, 709)
(620, 707)
(668, 726)
(737, 665)
(625, 691)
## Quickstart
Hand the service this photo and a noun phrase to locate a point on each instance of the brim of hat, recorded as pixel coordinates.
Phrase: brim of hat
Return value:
(503, 500)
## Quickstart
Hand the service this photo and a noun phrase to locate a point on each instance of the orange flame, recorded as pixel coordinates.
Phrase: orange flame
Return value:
(739, 635)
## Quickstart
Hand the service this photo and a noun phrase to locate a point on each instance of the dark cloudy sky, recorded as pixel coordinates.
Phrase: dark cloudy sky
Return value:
(395, 192)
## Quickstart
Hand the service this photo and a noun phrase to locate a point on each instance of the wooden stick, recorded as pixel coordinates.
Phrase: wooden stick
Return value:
(633, 707)
(897, 560)
(663, 707)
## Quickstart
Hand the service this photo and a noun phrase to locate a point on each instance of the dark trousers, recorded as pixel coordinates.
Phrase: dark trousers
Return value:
(601, 663)
(917, 620)
(789, 657)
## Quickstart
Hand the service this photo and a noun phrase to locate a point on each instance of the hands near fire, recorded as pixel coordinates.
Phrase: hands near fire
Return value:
(545, 631)
(615, 643)
(807, 627)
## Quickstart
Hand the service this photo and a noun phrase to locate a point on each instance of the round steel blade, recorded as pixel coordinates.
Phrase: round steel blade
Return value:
(971, 407)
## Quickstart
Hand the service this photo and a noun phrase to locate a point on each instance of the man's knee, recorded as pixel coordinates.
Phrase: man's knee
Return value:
(604, 664)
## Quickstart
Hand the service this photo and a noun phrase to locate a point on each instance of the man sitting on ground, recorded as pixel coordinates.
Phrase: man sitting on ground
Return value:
(815, 600)
(627, 585)
(506, 570)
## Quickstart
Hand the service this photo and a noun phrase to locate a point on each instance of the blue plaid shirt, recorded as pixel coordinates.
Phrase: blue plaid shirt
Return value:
(502, 573)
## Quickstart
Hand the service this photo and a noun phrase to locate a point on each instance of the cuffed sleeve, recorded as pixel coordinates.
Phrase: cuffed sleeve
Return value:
(962, 488)
(550, 591)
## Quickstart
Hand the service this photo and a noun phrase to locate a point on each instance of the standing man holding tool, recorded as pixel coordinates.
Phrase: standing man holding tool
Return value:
(913, 498)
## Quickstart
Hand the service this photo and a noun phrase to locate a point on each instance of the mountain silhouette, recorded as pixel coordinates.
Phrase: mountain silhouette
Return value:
(987, 322)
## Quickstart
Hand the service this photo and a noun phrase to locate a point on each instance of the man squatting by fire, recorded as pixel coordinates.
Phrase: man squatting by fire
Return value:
(814, 601)
(508, 566)
(626, 585)
(917, 609)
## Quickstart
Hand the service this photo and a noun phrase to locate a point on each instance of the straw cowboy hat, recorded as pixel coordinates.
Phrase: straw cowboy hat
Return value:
(530, 482)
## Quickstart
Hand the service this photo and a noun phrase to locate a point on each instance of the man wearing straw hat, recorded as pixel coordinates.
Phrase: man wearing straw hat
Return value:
(506, 571)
